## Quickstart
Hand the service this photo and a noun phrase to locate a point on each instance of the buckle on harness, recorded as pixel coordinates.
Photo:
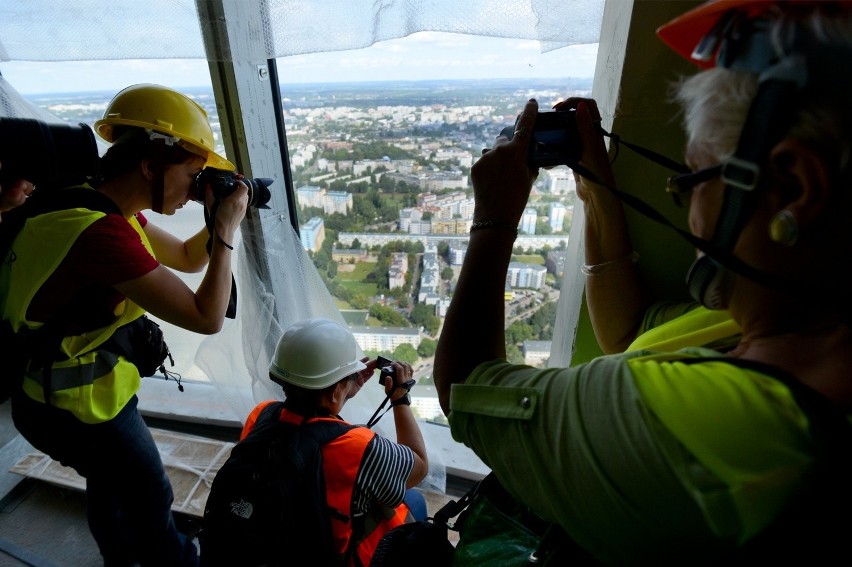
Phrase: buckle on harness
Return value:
(740, 173)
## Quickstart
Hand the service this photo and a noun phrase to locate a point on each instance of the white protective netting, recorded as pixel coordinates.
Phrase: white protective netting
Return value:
(76, 30)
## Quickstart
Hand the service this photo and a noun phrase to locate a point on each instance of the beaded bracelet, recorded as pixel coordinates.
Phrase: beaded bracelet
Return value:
(595, 269)
(493, 224)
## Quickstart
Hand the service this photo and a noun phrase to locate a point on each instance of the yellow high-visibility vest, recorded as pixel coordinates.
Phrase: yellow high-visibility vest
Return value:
(92, 384)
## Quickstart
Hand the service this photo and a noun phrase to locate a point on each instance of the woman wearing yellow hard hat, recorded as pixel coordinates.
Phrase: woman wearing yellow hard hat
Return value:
(79, 278)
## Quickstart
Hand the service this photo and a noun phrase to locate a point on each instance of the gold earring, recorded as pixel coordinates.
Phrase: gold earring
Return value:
(784, 229)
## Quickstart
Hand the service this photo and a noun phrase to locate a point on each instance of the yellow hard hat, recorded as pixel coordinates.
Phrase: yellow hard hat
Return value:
(163, 111)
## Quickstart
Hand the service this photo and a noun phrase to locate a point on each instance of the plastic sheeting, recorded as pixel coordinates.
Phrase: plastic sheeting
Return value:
(74, 30)
(237, 359)
(191, 463)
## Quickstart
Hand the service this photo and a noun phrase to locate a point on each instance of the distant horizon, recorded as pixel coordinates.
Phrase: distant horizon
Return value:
(420, 57)
(306, 85)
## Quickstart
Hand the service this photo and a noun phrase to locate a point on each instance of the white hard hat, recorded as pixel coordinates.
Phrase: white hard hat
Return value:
(315, 353)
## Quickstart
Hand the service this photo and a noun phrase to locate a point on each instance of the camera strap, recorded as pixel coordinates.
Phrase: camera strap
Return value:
(210, 223)
(407, 385)
(708, 247)
(159, 184)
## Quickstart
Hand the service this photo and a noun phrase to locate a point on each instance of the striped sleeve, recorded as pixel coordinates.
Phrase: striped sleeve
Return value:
(384, 470)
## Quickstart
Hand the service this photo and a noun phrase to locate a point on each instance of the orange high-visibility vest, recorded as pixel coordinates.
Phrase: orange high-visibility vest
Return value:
(341, 460)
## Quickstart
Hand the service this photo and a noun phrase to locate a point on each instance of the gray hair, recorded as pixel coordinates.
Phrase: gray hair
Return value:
(715, 102)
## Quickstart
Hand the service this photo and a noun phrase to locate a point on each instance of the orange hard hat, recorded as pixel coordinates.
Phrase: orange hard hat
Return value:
(688, 31)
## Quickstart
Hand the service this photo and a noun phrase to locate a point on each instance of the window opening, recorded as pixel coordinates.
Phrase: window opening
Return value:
(381, 145)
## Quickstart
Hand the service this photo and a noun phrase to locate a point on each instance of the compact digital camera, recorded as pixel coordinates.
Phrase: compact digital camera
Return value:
(554, 139)
(386, 370)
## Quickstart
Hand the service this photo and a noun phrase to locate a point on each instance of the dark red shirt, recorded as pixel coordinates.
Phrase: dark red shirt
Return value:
(108, 252)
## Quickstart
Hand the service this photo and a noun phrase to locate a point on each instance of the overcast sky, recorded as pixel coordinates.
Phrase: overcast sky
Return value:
(425, 55)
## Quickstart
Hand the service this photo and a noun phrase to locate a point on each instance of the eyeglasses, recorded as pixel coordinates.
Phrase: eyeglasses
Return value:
(681, 185)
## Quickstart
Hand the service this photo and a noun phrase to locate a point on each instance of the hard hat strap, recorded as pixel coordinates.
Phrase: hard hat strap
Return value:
(159, 183)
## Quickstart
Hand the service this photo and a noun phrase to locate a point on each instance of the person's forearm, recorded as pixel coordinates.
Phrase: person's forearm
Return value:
(214, 293)
(408, 432)
(615, 293)
(196, 250)
(473, 330)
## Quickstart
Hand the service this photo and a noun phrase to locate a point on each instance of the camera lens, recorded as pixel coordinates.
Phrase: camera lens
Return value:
(259, 193)
(223, 183)
(46, 153)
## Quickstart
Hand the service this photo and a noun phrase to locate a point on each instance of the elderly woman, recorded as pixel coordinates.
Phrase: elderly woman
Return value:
(694, 455)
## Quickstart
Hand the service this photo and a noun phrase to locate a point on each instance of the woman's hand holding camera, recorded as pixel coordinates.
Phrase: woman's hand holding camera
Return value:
(230, 210)
(594, 157)
(501, 179)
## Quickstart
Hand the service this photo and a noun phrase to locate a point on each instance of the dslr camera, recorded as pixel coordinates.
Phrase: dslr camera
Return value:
(223, 183)
(46, 153)
(554, 139)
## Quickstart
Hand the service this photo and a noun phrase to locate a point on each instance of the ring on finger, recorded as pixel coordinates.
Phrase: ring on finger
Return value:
(521, 131)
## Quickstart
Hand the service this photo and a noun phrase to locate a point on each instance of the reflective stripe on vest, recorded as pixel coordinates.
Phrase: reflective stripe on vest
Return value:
(93, 385)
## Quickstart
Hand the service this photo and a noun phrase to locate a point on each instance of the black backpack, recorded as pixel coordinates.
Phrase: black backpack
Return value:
(267, 504)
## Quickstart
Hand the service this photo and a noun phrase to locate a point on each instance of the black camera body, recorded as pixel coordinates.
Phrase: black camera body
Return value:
(554, 139)
(46, 153)
(386, 370)
(223, 183)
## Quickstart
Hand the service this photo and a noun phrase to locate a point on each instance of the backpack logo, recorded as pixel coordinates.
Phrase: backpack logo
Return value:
(242, 509)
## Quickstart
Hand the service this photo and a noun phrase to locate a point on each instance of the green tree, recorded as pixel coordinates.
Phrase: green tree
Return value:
(359, 301)
(447, 273)
(514, 355)
(321, 260)
(518, 332)
(432, 324)
(388, 316)
(342, 292)
(543, 320)
(427, 348)
(405, 353)
(542, 227)
(444, 250)
(421, 313)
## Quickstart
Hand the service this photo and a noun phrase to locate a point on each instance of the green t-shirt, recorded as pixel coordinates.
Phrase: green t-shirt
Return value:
(639, 457)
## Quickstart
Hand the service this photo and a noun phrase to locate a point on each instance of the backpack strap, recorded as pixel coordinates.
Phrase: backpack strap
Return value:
(316, 434)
